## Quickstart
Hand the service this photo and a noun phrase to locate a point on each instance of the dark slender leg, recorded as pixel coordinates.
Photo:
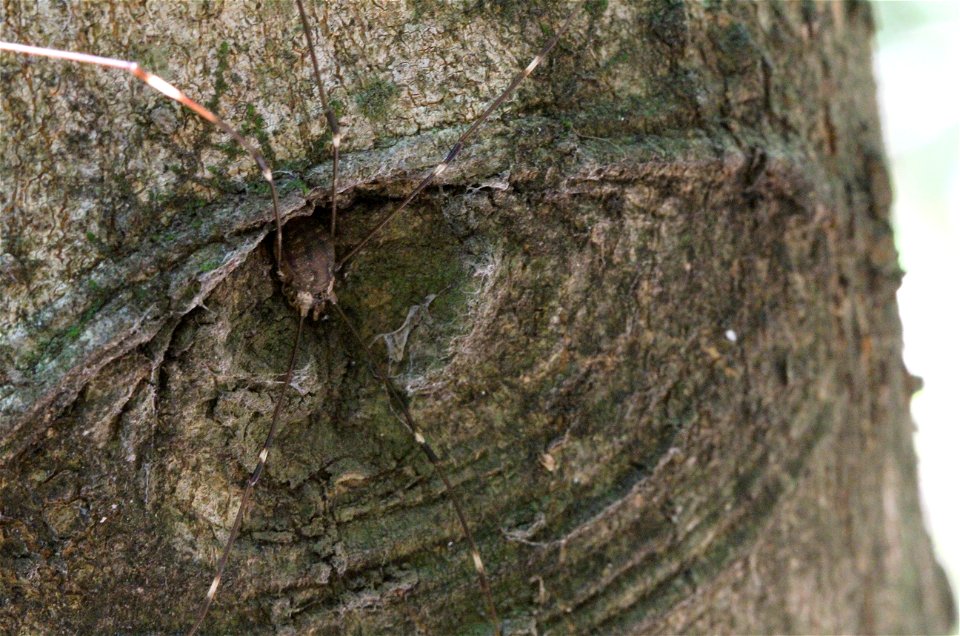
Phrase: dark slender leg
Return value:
(407, 419)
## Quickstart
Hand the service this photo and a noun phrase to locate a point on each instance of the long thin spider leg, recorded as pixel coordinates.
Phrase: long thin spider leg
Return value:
(458, 146)
(251, 483)
(169, 90)
(329, 114)
(414, 430)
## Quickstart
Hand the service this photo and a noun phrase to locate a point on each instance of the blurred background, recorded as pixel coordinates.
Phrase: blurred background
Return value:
(916, 60)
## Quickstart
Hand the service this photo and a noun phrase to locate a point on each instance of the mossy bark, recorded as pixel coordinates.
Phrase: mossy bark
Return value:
(648, 322)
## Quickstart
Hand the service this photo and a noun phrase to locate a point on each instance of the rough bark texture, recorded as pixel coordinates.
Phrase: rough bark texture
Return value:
(661, 361)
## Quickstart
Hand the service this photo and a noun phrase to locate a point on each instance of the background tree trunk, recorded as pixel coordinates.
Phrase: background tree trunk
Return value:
(661, 361)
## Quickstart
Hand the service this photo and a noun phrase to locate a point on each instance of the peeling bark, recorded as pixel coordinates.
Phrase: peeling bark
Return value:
(661, 361)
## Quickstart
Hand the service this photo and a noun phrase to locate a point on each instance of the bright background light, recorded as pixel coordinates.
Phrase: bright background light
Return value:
(917, 63)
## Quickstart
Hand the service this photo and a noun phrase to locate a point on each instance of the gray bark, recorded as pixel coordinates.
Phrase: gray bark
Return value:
(662, 364)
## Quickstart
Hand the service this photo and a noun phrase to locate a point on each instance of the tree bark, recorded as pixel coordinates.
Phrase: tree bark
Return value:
(648, 321)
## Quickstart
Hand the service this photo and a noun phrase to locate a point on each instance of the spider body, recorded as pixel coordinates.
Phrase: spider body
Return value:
(307, 266)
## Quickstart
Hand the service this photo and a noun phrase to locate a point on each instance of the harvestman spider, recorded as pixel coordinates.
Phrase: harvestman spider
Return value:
(307, 266)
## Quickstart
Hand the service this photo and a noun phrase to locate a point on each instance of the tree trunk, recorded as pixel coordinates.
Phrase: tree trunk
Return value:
(647, 320)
